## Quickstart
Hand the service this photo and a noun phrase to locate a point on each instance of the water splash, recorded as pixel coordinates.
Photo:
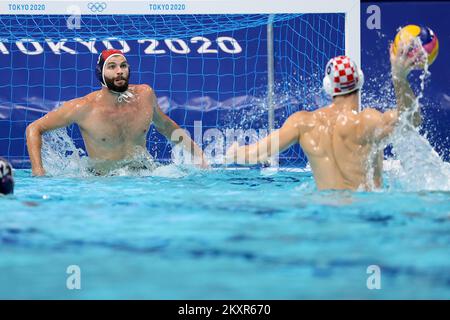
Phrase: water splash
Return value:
(415, 165)
(62, 158)
(419, 167)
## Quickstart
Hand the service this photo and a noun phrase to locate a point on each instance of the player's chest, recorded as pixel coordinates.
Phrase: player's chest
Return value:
(125, 122)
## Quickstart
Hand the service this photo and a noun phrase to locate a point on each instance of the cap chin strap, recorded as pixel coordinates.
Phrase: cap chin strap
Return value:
(121, 96)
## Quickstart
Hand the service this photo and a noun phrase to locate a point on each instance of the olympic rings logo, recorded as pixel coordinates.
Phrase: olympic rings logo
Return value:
(96, 6)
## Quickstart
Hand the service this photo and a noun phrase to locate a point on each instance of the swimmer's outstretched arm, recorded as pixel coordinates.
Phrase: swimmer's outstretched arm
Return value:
(65, 115)
(374, 125)
(274, 143)
(401, 66)
(172, 131)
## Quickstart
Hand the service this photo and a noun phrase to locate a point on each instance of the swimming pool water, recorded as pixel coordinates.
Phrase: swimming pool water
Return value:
(222, 234)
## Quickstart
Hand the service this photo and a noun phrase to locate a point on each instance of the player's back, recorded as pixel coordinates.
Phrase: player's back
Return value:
(338, 156)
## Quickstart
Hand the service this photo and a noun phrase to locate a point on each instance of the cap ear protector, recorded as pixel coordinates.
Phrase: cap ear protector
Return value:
(342, 76)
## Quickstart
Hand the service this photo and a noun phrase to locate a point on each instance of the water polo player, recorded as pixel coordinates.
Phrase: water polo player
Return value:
(113, 121)
(344, 147)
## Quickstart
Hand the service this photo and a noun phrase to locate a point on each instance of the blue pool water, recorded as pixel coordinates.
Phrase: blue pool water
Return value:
(222, 234)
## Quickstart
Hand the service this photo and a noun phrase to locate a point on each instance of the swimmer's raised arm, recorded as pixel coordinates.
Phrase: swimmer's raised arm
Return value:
(401, 66)
(172, 131)
(375, 125)
(274, 143)
(63, 116)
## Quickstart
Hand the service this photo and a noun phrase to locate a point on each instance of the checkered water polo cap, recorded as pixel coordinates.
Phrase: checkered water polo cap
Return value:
(342, 76)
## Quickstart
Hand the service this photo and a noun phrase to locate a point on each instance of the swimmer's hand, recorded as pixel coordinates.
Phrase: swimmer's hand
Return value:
(38, 172)
(204, 164)
(407, 57)
(245, 155)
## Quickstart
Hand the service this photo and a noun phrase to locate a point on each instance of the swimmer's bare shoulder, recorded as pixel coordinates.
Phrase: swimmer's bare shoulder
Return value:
(375, 125)
(76, 110)
(146, 93)
(72, 111)
(142, 89)
(304, 121)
